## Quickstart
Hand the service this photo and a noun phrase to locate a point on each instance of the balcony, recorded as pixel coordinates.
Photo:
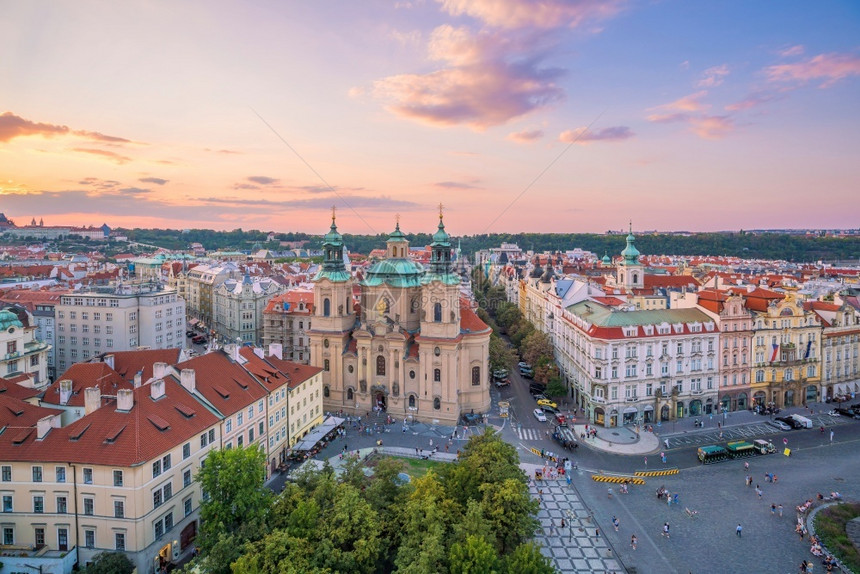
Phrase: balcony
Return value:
(632, 399)
(696, 392)
(599, 400)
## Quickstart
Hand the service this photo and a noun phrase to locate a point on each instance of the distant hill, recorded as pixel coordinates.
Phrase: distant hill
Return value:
(791, 247)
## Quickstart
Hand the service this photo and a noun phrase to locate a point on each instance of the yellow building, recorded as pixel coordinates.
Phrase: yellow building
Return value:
(787, 354)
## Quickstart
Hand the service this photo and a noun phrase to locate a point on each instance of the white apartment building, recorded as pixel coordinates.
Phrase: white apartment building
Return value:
(200, 283)
(239, 307)
(21, 353)
(118, 318)
(628, 366)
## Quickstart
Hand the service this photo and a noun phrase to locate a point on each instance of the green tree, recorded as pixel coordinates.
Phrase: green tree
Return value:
(474, 555)
(511, 511)
(235, 504)
(555, 388)
(349, 535)
(110, 563)
(486, 458)
(427, 519)
(501, 355)
(527, 559)
(536, 346)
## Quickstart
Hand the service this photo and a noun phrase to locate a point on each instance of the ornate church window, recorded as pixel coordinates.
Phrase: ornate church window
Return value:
(326, 307)
(476, 376)
(350, 395)
(380, 365)
(437, 375)
(437, 403)
(437, 312)
(411, 401)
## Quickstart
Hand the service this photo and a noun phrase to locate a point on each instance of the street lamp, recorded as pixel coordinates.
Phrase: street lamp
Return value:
(569, 526)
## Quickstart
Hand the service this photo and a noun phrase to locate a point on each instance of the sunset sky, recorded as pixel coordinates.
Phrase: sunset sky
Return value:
(551, 115)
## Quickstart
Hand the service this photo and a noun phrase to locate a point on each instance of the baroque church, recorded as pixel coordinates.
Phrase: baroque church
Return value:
(410, 345)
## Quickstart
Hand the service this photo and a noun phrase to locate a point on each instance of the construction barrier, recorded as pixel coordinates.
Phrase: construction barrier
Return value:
(617, 479)
(664, 472)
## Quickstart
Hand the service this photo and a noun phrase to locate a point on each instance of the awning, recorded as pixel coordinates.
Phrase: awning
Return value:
(193, 322)
(316, 435)
(631, 410)
(648, 408)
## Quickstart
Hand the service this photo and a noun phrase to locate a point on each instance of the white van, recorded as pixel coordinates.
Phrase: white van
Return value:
(807, 424)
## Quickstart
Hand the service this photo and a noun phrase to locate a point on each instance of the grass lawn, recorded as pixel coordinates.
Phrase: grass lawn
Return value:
(414, 467)
(830, 527)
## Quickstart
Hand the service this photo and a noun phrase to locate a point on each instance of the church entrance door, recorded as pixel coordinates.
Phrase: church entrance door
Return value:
(380, 401)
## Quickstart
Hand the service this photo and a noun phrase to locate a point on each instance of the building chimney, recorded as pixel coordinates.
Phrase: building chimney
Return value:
(65, 391)
(92, 399)
(156, 389)
(158, 370)
(124, 400)
(277, 350)
(259, 352)
(44, 425)
(188, 378)
(138, 379)
(109, 361)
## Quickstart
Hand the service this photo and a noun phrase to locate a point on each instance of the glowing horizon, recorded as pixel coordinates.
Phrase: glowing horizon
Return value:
(573, 117)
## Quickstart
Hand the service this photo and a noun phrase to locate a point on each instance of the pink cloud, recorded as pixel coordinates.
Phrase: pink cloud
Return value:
(830, 67)
(13, 126)
(528, 14)
(751, 101)
(583, 137)
(525, 136)
(713, 77)
(711, 127)
(484, 81)
(689, 103)
(109, 155)
(797, 50)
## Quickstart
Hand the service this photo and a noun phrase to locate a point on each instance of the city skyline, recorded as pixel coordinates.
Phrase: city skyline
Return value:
(556, 116)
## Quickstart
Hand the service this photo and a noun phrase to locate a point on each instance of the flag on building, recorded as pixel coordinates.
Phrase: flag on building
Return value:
(808, 349)
(775, 352)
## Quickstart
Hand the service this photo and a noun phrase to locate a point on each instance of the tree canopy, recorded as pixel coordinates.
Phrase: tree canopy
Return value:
(473, 516)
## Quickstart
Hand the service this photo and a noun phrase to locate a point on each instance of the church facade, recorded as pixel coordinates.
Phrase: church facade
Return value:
(410, 345)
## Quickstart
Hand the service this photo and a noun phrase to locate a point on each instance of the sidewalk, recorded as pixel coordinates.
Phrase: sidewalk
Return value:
(620, 440)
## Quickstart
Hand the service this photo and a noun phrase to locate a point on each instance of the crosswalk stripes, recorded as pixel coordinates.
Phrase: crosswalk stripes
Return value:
(529, 434)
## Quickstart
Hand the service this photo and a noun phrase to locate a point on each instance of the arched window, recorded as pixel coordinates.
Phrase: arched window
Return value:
(326, 365)
(326, 391)
(380, 365)
(437, 403)
(789, 374)
(437, 375)
(349, 394)
(326, 307)
(411, 401)
(437, 312)
(476, 376)
(635, 278)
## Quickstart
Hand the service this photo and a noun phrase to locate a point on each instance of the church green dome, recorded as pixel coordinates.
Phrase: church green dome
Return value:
(397, 235)
(441, 236)
(9, 319)
(630, 253)
(606, 260)
(396, 272)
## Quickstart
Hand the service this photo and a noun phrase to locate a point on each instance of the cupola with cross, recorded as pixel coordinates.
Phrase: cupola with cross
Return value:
(630, 273)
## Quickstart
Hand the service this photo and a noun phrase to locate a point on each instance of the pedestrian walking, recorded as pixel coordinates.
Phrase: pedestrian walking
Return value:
(633, 541)
(831, 437)
(773, 509)
(666, 442)
(739, 530)
(663, 457)
(596, 533)
(666, 529)
(758, 491)
(431, 442)
(646, 462)
(779, 509)
(615, 523)
(562, 522)
(746, 465)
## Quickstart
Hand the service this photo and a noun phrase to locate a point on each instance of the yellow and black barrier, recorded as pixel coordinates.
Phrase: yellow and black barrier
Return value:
(617, 479)
(664, 472)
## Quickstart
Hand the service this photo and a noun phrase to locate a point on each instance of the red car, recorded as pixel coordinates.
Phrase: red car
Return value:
(560, 419)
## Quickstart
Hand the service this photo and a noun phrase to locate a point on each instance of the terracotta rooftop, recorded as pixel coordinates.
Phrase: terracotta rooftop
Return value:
(85, 375)
(17, 413)
(127, 363)
(225, 384)
(10, 388)
(297, 372)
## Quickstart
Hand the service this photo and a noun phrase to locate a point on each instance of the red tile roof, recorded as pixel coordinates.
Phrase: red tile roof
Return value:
(470, 323)
(268, 375)
(10, 388)
(609, 301)
(110, 437)
(127, 363)
(17, 413)
(297, 372)
(83, 376)
(226, 385)
(670, 281)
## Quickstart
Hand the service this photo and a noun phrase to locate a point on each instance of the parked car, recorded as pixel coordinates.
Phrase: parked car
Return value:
(547, 402)
(789, 421)
(539, 415)
(779, 424)
(199, 340)
(502, 383)
(560, 419)
(550, 410)
(527, 373)
(847, 413)
(523, 365)
(500, 373)
(537, 388)
(189, 333)
(539, 397)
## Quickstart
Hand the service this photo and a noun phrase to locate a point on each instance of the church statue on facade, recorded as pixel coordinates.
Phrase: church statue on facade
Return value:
(410, 345)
